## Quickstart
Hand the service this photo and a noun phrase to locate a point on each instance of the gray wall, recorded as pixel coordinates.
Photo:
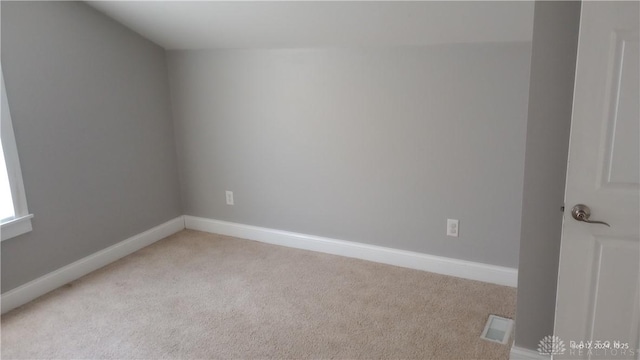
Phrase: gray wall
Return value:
(92, 118)
(378, 146)
(555, 42)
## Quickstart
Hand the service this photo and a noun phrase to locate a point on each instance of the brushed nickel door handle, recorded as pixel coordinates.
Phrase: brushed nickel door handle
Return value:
(582, 212)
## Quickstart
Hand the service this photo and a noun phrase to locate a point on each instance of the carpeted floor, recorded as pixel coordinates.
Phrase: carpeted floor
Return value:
(199, 295)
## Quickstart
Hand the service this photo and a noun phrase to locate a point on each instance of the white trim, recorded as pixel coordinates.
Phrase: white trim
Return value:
(436, 264)
(518, 353)
(51, 281)
(16, 226)
(11, 158)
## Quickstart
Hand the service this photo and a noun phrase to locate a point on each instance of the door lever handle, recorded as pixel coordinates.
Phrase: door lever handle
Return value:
(582, 212)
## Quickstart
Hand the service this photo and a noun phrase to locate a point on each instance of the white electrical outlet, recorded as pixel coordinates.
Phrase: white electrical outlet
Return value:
(229, 197)
(452, 227)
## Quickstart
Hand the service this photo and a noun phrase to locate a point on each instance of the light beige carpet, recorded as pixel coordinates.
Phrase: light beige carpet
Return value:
(198, 295)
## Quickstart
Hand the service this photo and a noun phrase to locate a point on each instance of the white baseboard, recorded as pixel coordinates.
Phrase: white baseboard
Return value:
(436, 264)
(518, 353)
(53, 280)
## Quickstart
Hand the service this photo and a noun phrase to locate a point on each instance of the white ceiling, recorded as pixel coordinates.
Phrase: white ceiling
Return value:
(264, 24)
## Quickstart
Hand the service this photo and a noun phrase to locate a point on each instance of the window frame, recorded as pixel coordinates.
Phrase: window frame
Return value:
(21, 222)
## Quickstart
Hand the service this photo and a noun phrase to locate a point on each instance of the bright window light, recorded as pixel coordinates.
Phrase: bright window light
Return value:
(6, 200)
(15, 218)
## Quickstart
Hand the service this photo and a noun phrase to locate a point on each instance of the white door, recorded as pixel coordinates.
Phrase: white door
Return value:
(598, 280)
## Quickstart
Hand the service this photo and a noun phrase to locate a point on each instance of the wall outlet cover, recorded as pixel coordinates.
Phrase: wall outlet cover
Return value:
(453, 227)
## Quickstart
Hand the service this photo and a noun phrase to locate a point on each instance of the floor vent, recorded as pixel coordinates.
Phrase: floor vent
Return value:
(498, 329)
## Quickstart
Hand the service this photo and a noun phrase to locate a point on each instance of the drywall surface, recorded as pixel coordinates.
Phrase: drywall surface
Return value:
(377, 145)
(555, 43)
(90, 105)
(193, 25)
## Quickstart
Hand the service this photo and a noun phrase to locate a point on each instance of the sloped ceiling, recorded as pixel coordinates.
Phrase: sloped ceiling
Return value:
(264, 24)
